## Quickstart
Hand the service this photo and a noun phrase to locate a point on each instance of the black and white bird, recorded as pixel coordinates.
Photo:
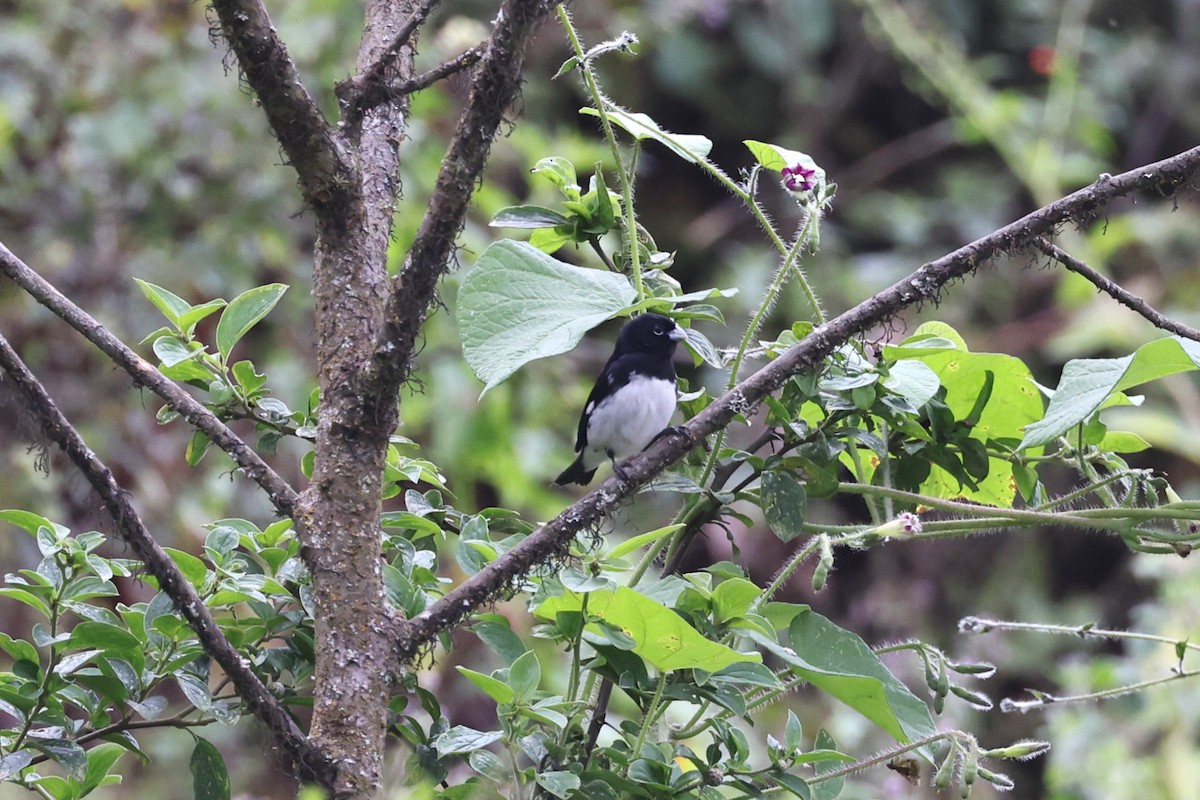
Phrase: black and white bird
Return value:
(633, 399)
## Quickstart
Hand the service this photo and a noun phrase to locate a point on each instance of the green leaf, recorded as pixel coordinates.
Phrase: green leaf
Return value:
(1013, 404)
(561, 173)
(498, 635)
(524, 676)
(13, 763)
(733, 598)
(913, 380)
(558, 783)
(1122, 442)
(19, 649)
(189, 319)
(28, 598)
(243, 313)
(115, 642)
(785, 504)
(100, 758)
(793, 783)
(69, 755)
(692, 148)
(192, 568)
(660, 636)
(518, 304)
(197, 446)
(461, 739)
(210, 779)
(30, 522)
(1088, 383)
(496, 689)
(841, 664)
(172, 352)
(248, 377)
(171, 305)
(528, 217)
(642, 539)
(828, 789)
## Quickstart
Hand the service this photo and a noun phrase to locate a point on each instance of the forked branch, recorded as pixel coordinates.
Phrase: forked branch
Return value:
(925, 285)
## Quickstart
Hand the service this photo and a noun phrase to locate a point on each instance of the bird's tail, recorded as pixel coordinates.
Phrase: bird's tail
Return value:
(576, 473)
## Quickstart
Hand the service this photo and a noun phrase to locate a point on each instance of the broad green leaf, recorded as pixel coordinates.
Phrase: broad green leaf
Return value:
(494, 688)
(30, 522)
(518, 304)
(733, 598)
(13, 763)
(524, 676)
(1088, 383)
(461, 739)
(171, 305)
(19, 649)
(561, 173)
(490, 765)
(27, 597)
(841, 664)
(100, 758)
(528, 217)
(197, 446)
(189, 319)
(192, 568)
(690, 147)
(1122, 442)
(913, 380)
(69, 755)
(248, 377)
(210, 778)
(243, 313)
(1014, 403)
(558, 783)
(785, 504)
(642, 539)
(660, 636)
(172, 352)
(828, 789)
(115, 642)
(498, 635)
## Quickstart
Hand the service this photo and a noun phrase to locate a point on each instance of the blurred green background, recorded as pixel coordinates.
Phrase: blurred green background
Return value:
(128, 147)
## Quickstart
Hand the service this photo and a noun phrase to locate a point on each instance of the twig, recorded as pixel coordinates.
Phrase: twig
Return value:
(370, 88)
(282, 496)
(495, 87)
(308, 762)
(462, 61)
(924, 285)
(325, 169)
(1121, 295)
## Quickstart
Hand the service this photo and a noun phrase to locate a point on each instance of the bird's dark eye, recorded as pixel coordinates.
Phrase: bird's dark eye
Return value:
(660, 330)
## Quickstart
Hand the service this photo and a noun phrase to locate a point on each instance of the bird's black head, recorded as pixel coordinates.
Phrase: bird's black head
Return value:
(650, 333)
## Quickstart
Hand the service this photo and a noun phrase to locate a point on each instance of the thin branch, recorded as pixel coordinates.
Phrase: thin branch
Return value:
(282, 496)
(462, 61)
(325, 169)
(924, 285)
(495, 87)
(1121, 295)
(370, 88)
(308, 762)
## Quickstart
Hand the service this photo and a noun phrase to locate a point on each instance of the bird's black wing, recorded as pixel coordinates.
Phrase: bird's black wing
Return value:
(616, 373)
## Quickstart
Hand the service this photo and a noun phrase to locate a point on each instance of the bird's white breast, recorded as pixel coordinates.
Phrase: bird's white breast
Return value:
(627, 420)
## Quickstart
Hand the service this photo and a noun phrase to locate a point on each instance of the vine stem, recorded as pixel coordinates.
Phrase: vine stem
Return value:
(648, 717)
(599, 102)
(987, 625)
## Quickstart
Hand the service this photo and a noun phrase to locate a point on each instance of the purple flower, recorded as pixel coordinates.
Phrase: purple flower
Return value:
(797, 178)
